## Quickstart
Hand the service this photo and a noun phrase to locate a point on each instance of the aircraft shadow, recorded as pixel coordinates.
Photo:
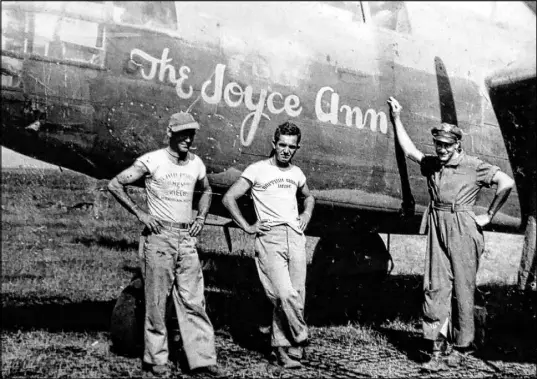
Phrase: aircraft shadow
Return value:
(54, 314)
(503, 333)
(237, 307)
(111, 243)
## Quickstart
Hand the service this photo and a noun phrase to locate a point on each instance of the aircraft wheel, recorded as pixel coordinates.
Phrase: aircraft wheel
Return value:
(126, 324)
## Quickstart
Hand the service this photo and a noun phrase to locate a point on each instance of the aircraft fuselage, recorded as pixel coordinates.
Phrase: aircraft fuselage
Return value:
(95, 109)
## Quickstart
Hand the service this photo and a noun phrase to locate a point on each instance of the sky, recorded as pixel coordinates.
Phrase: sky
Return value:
(12, 159)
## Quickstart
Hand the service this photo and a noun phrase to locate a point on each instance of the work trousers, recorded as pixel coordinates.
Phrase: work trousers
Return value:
(281, 265)
(171, 265)
(454, 246)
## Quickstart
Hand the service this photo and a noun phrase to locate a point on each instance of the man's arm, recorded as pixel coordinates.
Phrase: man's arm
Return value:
(406, 143)
(203, 206)
(117, 185)
(505, 184)
(309, 203)
(229, 200)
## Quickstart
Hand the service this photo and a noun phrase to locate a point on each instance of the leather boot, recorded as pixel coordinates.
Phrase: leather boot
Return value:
(296, 352)
(284, 360)
(436, 363)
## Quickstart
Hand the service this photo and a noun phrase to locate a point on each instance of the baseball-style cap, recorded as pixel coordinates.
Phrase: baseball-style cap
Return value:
(447, 133)
(182, 121)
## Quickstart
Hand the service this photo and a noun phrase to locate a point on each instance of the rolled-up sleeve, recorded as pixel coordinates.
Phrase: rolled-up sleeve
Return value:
(149, 160)
(250, 173)
(485, 172)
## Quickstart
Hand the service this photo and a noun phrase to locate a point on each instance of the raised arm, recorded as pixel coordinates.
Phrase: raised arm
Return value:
(203, 206)
(505, 184)
(117, 187)
(238, 189)
(309, 203)
(406, 143)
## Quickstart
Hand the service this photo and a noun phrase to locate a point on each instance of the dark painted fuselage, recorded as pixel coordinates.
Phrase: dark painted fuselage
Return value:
(242, 69)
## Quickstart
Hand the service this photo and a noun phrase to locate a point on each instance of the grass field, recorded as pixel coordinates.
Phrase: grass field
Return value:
(63, 268)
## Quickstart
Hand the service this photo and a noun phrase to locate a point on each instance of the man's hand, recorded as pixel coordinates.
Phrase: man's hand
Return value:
(153, 224)
(260, 227)
(304, 220)
(482, 220)
(196, 226)
(395, 107)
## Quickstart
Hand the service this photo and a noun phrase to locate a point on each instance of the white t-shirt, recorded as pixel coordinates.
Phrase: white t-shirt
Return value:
(274, 192)
(169, 186)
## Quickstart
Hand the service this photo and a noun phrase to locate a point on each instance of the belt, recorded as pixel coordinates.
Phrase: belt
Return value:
(451, 207)
(443, 207)
(179, 225)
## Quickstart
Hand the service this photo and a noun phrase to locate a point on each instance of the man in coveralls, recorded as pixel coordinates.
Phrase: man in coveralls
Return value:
(280, 243)
(170, 263)
(455, 237)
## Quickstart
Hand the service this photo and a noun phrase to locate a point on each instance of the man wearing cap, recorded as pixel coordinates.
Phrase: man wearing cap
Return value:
(455, 237)
(280, 243)
(170, 263)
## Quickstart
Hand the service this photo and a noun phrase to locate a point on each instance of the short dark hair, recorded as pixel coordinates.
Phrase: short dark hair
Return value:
(287, 129)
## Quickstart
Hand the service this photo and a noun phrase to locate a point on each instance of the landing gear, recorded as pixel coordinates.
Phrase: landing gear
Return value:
(345, 255)
(127, 322)
(345, 270)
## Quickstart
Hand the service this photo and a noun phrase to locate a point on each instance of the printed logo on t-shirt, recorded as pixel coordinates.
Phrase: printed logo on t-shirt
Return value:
(177, 186)
(281, 182)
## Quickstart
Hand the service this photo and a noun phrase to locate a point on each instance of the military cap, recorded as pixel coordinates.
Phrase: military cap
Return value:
(447, 133)
(182, 121)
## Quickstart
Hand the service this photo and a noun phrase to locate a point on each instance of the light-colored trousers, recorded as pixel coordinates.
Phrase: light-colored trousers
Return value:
(171, 265)
(281, 265)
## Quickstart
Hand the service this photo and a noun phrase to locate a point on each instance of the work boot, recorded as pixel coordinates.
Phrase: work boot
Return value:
(213, 371)
(454, 359)
(454, 355)
(436, 363)
(295, 352)
(466, 350)
(284, 360)
(156, 370)
(450, 356)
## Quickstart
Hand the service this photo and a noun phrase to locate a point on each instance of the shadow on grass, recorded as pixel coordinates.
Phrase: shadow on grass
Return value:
(237, 306)
(110, 243)
(505, 334)
(55, 314)
(512, 324)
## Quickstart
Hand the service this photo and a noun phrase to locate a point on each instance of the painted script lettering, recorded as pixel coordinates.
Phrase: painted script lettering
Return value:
(332, 113)
(260, 105)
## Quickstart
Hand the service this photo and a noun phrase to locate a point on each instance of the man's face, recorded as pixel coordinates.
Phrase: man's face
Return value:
(445, 150)
(181, 141)
(285, 148)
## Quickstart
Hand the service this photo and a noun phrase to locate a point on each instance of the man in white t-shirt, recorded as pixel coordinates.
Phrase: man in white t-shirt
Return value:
(170, 261)
(280, 243)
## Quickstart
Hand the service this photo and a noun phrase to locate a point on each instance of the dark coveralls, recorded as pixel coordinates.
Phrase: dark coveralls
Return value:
(454, 245)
